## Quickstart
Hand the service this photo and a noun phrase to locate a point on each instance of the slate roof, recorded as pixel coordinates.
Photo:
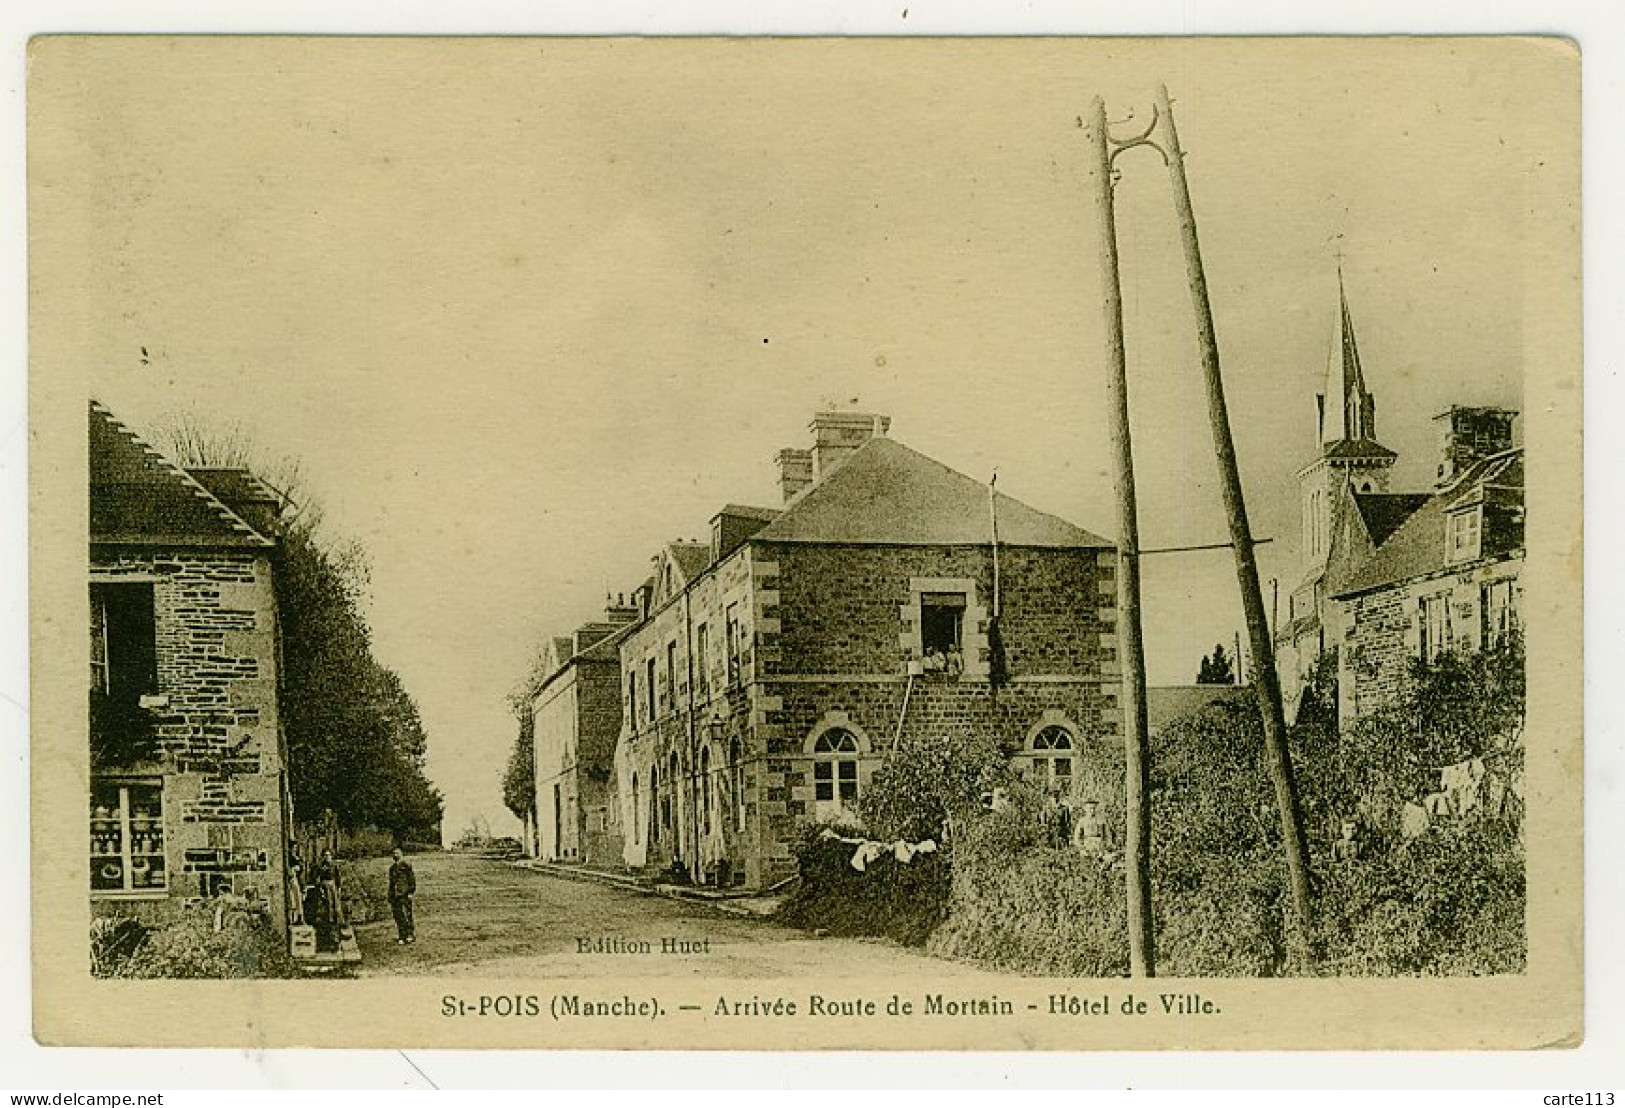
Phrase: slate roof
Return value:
(1416, 548)
(1383, 512)
(745, 511)
(691, 558)
(138, 497)
(886, 493)
(1357, 448)
(1166, 703)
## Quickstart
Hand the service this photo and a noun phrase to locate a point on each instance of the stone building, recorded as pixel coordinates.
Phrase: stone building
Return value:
(1389, 577)
(188, 787)
(1446, 578)
(773, 669)
(577, 717)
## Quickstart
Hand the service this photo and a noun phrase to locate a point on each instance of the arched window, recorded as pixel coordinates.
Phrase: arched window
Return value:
(635, 812)
(1052, 757)
(736, 755)
(705, 790)
(835, 770)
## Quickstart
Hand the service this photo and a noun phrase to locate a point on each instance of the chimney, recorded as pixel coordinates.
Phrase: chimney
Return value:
(795, 471)
(1468, 435)
(837, 436)
(618, 611)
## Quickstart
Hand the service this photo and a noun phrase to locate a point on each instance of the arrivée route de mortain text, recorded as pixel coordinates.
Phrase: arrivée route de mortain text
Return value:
(565, 1006)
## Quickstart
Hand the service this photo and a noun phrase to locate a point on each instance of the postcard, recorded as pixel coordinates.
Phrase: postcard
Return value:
(947, 544)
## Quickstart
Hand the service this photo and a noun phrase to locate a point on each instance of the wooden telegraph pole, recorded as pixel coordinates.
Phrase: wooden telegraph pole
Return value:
(1131, 647)
(1265, 680)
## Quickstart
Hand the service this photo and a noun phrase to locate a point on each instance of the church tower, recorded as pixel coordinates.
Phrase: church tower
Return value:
(1349, 453)
(1348, 457)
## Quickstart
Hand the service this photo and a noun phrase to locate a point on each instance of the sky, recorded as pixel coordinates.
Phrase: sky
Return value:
(526, 310)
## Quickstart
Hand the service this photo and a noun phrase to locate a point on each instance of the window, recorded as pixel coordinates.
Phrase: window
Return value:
(835, 770)
(735, 648)
(702, 663)
(1052, 760)
(1500, 611)
(123, 641)
(705, 790)
(123, 669)
(632, 698)
(668, 807)
(636, 810)
(736, 755)
(650, 694)
(671, 675)
(942, 622)
(654, 804)
(127, 838)
(1463, 533)
(1434, 633)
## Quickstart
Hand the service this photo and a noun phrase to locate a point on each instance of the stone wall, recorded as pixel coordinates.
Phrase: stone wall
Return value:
(218, 738)
(1381, 630)
(826, 639)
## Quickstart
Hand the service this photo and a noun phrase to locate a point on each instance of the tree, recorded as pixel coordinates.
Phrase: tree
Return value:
(519, 776)
(1216, 669)
(356, 744)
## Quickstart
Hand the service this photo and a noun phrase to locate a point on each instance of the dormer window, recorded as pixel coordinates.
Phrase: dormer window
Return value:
(1463, 534)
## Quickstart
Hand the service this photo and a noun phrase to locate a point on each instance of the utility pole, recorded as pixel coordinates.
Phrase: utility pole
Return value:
(1131, 647)
(1266, 681)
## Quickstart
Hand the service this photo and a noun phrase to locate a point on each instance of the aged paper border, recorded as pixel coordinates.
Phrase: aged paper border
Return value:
(1274, 1015)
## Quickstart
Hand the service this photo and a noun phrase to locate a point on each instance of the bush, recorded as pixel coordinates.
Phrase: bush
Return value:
(1448, 902)
(899, 900)
(927, 782)
(1024, 905)
(190, 947)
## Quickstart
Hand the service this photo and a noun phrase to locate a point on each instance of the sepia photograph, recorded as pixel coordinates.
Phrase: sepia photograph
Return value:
(789, 543)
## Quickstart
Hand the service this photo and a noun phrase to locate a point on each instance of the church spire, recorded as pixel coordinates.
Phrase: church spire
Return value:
(1348, 412)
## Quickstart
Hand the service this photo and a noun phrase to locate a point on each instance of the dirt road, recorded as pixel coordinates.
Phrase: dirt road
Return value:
(482, 918)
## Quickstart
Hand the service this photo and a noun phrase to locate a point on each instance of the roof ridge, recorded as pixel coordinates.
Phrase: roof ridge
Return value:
(192, 484)
(840, 508)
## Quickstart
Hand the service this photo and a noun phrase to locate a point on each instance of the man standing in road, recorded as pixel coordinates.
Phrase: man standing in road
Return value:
(403, 884)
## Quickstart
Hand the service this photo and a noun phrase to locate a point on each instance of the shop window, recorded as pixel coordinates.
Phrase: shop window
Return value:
(835, 770)
(127, 838)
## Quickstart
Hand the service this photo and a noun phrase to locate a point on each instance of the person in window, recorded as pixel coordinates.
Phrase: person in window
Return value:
(954, 663)
(403, 885)
(934, 662)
